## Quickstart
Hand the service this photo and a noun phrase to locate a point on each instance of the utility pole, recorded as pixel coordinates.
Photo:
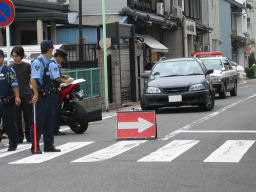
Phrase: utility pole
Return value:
(105, 52)
(80, 34)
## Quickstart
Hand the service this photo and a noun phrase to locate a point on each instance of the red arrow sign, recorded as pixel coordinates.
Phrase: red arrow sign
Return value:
(135, 125)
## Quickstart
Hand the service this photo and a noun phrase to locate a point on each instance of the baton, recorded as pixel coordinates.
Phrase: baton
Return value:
(35, 138)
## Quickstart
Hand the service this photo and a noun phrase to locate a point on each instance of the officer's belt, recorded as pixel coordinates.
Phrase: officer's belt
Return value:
(6, 100)
(45, 93)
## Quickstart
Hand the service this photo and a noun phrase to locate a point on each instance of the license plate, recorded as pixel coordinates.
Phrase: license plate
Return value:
(175, 98)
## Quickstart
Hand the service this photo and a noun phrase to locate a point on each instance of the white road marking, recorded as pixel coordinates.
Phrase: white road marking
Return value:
(21, 147)
(170, 151)
(231, 151)
(205, 118)
(111, 151)
(218, 131)
(66, 148)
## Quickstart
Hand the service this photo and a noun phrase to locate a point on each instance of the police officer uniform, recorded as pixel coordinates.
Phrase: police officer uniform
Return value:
(43, 72)
(55, 65)
(56, 95)
(7, 81)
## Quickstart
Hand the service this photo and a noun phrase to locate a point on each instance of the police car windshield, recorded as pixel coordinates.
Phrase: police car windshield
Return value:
(214, 64)
(176, 68)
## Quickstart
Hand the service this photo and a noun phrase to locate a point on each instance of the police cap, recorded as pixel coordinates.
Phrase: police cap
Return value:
(46, 44)
(1, 53)
(61, 53)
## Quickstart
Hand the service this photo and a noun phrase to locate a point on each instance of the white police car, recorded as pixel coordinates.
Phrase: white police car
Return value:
(224, 77)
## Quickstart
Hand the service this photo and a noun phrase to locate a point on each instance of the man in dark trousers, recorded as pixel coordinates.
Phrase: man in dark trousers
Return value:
(59, 57)
(23, 73)
(43, 90)
(8, 86)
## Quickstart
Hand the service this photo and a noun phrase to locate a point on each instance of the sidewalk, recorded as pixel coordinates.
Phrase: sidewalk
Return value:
(133, 106)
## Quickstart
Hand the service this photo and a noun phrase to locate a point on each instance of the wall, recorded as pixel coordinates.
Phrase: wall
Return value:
(173, 40)
(92, 7)
(214, 24)
(225, 28)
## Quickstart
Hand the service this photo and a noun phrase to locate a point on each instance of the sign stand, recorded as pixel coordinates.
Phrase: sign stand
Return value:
(136, 125)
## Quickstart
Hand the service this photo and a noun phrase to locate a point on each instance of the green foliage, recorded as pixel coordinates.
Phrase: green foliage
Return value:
(250, 72)
(252, 60)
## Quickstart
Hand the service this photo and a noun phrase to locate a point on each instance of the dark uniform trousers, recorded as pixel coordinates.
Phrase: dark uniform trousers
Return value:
(45, 109)
(26, 107)
(7, 113)
(56, 96)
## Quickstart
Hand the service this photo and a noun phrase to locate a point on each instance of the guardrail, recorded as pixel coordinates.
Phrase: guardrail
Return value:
(92, 87)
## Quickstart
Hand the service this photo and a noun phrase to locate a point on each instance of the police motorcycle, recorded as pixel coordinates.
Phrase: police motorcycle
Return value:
(73, 113)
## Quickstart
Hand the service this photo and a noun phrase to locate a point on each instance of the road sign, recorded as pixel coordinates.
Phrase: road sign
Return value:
(136, 125)
(7, 12)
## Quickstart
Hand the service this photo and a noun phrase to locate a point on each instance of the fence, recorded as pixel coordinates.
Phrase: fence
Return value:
(92, 86)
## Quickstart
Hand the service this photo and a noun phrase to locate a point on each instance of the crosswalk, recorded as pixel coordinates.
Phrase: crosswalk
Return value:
(231, 151)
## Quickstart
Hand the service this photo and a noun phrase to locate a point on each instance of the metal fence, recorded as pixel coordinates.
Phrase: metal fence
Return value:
(92, 86)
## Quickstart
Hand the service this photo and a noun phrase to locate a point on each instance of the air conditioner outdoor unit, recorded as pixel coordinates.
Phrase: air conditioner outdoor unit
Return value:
(64, 2)
(160, 8)
(177, 12)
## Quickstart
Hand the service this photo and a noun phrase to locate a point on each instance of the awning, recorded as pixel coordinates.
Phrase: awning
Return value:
(149, 18)
(203, 27)
(153, 43)
(236, 3)
(96, 20)
(239, 38)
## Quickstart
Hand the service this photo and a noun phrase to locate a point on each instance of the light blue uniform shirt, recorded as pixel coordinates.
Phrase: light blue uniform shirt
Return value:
(11, 77)
(37, 68)
(54, 69)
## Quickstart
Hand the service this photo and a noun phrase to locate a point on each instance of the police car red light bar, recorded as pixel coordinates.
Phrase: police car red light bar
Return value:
(206, 53)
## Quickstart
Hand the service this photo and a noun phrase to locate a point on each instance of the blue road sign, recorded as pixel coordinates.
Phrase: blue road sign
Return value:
(7, 12)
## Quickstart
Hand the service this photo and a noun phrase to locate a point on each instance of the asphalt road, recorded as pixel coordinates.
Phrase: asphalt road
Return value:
(195, 152)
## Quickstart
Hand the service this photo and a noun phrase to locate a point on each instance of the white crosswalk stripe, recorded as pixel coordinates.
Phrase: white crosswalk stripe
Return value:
(170, 151)
(66, 148)
(22, 147)
(232, 151)
(110, 152)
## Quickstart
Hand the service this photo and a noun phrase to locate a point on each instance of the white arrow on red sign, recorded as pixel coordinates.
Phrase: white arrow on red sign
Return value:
(142, 125)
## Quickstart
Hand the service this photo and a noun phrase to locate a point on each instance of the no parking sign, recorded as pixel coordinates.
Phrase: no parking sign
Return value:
(7, 12)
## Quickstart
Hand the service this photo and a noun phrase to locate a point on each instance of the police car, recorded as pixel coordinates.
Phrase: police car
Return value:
(224, 77)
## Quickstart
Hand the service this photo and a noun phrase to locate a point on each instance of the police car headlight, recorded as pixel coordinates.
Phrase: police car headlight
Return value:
(196, 87)
(215, 79)
(153, 90)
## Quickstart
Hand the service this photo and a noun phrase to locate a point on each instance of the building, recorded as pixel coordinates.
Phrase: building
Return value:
(34, 21)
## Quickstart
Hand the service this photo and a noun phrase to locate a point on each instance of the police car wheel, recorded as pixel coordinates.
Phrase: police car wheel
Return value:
(223, 93)
(233, 92)
(79, 121)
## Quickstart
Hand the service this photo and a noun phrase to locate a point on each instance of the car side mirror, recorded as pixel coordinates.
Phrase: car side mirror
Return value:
(209, 71)
(144, 75)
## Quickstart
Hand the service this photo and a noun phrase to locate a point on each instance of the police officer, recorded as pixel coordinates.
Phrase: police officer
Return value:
(43, 90)
(8, 82)
(59, 57)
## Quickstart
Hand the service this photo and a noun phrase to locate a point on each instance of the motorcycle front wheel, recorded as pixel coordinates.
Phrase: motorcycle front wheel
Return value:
(78, 121)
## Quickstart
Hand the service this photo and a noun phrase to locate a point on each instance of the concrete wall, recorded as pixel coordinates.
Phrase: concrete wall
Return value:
(92, 7)
(214, 24)
(173, 40)
(225, 28)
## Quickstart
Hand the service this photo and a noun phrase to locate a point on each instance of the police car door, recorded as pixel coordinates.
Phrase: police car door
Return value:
(230, 74)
